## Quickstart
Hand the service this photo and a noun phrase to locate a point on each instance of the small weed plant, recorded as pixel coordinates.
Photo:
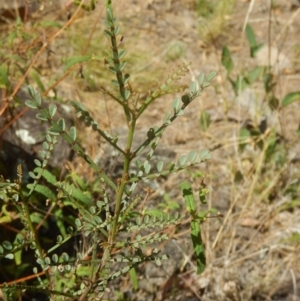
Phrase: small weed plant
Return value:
(104, 212)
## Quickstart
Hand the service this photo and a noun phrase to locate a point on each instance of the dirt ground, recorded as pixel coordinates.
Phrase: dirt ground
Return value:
(250, 254)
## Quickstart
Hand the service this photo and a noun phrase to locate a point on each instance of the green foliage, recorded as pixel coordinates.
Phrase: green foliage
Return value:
(104, 211)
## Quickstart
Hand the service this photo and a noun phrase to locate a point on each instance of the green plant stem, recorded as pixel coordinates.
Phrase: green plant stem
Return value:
(127, 159)
(94, 256)
(116, 61)
(32, 230)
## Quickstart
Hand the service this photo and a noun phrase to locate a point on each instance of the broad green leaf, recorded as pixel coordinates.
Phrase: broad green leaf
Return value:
(37, 78)
(239, 84)
(202, 195)
(226, 59)
(254, 47)
(47, 175)
(204, 120)
(188, 196)
(79, 182)
(269, 82)
(254, 74)
(18, 257)
(290, 98)
(198, 245)
(4, 80)
(45, 191)
(250, 36)
(76, 60)
(84, 197)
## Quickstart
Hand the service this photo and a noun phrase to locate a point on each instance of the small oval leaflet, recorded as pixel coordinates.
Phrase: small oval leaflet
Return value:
(48, 138)
(193, 87)
(65, 257)
(127, 94)
(9, 256)
(32, 175)
(37, 162)
(192, 156)
(211, 75)
(78, 222)
(93, 209)
(160, 166)
(122, 65)
(46, 145)
(54, 130)
(147, 167)
(47, 260)
(182, 160)
(55, 258)
(59, 238)
(121, 53)
(117, 30)
(201, 78)
(180, 112)
(20, 240)
(52, 109)
(31, 104)
(73, 134)
(7, 245)
(176, 104)
(172, 166)
(100, 204)
(42, 116)
(204, 155)
(61, 123)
